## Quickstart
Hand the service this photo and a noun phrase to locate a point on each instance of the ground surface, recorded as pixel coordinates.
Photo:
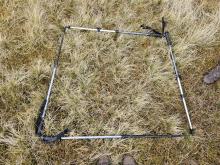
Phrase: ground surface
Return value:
(108, 84)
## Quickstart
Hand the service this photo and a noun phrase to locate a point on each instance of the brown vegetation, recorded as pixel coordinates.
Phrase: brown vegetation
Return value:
(108, 85)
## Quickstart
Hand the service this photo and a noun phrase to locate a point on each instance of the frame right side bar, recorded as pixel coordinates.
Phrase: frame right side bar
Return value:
(182, 94)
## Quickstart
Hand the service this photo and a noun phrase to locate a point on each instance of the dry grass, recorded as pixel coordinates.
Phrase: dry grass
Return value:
(108, 84)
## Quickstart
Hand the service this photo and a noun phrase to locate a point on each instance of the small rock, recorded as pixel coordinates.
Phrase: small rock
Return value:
(212, 76)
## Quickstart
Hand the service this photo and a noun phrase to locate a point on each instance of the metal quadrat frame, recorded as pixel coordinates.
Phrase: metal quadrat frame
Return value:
(149, 32)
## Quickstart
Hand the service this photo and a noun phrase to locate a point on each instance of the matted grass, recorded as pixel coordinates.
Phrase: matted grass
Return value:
(108, 84)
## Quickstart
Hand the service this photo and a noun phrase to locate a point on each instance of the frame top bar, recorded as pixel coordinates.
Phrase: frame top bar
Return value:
(147, 33)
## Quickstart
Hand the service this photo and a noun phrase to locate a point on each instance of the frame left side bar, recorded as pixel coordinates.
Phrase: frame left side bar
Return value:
(43, 109)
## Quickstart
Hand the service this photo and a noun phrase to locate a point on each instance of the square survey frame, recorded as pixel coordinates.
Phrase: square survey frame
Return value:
(150, 32)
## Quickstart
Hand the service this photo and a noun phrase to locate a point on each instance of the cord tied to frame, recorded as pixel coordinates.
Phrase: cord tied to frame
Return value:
(98, 29)
(116, 31)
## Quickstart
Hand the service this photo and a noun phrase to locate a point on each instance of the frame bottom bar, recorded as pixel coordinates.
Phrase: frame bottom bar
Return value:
(122, 136)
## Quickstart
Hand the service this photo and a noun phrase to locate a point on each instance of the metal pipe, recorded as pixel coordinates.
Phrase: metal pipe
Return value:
(155, 136)
(90, 137)
(115, 31)
(49, 91)
(173, 60)
(55, 65)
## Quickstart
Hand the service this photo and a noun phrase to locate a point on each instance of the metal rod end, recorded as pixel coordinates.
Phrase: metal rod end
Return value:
(50, 139)
(66, 27)
(168, 39)
(192, 131)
